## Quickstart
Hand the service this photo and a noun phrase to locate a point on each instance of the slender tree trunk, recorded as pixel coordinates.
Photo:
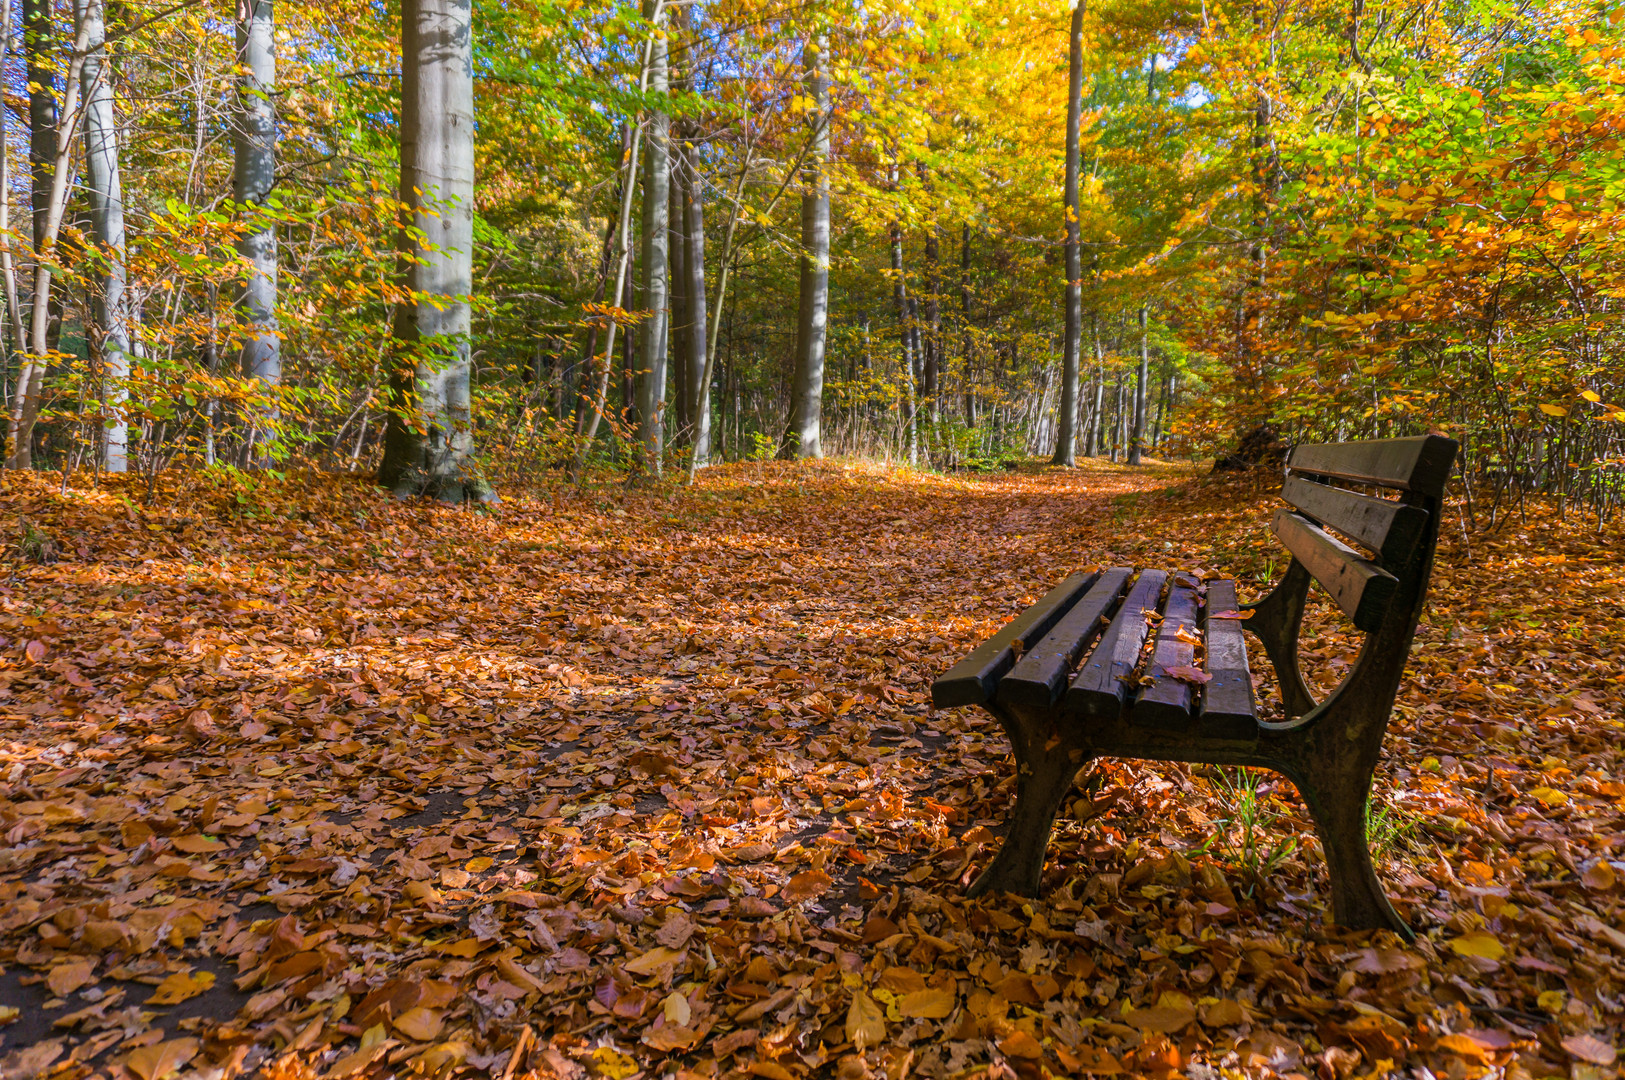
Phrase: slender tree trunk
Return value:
(105, 189)
(1097, 418)
(1066, 452)
(8, 269)
(107, 223)
(254, 175)
(931, 377)
(428, 448)
(1136, 447)
(677, 278)
(966, 347)
(38, 46)
(801, 439)
(699, 353)
(650, 381)
(905, 325)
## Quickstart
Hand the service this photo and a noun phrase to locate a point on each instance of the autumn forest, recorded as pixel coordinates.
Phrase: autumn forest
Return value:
(703, 539)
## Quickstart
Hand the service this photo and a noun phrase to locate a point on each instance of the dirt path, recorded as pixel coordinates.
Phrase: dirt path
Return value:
(371, 788)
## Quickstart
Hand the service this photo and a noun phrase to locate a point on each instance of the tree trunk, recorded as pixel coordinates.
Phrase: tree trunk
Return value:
(1097, 418)
(254, 175)
(649, 384)
(1136, 448)
(1066, 452)
(428, 448)
(699, 391)
(966, 340)
(931, 377)
(677, 278)
(801, 439)
(107, 224)
(900, 297)
(38, 46)
(8, 269)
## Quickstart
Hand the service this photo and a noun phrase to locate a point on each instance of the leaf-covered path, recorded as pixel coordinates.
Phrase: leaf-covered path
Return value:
(611, 782)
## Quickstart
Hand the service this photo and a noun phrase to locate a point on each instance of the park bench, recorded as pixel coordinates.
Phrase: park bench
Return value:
(1106, 664)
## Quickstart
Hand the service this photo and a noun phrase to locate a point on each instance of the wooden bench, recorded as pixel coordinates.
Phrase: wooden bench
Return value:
(1085, 671)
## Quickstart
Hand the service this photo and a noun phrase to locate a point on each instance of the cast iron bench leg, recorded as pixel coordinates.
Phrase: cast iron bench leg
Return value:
(1043, 778)
(1337, 801)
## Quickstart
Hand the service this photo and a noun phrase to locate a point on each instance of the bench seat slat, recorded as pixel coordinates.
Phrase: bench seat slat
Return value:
(1421, 464)
(1391, 529)
(1227, 709)
(1039, 677)
(1361, 587)
(1167, 702)
(1101, 685)
(973, 679)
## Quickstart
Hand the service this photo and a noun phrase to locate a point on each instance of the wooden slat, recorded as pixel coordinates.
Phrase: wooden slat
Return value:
(972, 680)
(1225, 709)
(1360, 587)
(1167, 702)
(1039, 677)
(1420, 464)
(1101, 685)
(1390, 529)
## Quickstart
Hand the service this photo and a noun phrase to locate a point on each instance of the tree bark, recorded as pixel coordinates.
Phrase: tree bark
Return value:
(1066, 451)
(253, 176)
(699, 370)
(1136, 448)
(801, 439)
(931, 376)
(107, 224)
(8, 269)
(904, 323)
(38, 44)
(428, 448)
(649, 383)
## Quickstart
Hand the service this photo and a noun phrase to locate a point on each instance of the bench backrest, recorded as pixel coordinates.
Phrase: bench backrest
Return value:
(1398, 534)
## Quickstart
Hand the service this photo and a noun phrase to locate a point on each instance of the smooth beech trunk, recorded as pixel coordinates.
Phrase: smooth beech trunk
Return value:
(699, 390)
(254, 174)
(107, 224)
(801, 439)
(1066, 439)
(428, 448)
(649, 383)
(905, 325)
(1136, 446)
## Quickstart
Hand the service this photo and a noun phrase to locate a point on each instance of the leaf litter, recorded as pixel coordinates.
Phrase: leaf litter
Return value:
(613, 783)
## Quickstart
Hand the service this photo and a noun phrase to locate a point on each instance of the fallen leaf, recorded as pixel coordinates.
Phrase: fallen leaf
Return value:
(865, 1023)
(181, 986)
(64, 979)
(1586, 1047)
(161, 1059)
(1479, 944)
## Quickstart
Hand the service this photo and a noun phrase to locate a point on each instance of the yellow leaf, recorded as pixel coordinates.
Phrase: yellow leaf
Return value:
(653, 960)
(1591, 395)
(1553, 410)
(865, 1025)
(1552, 1002)
(610, 1062)
(1550, 796)
(1478, 943)
(479, 865)
(181, 986)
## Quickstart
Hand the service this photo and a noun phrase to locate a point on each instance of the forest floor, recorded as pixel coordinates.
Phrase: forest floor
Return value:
(298, 781)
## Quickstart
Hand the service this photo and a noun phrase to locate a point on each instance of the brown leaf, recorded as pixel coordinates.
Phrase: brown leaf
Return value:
(1586, 1047)
(865, 1023)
